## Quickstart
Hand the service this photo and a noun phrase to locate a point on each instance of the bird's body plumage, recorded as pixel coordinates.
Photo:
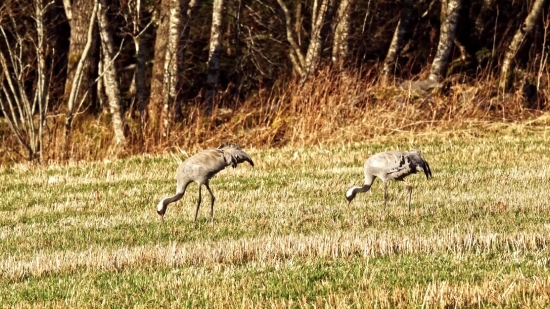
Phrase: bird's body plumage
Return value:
(200, 168)
(391, 165)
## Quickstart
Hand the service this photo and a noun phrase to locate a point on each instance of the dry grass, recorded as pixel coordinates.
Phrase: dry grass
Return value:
(330, 110)
(334, 108)
(87, 235)
(266, 251)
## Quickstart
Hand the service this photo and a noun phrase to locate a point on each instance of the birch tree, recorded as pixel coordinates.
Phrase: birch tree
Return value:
(525, 29)
(450, 13)
(172, 67)
(112, 87)
(79, 14)
(340, 48)
(172, 38)
(135, 7)
(305, 65)
(19, 105)
(214, 55)
(78, 73)
(189, 10)
(397, 40)
(156, 99)
(43, 79)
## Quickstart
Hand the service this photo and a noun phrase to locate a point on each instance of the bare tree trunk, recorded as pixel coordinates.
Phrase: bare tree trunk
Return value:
(140, 70)
(340, 48)
(189, 9)
(101, 95)
(141, 85)
(305, 65)
(446, 38)
(12, 103)
(112, 87)
(296, 56)
(75, 85)
(525, 29)
(214, 55)
(178, 34)
(157, 99)
(481, 16)
(167, 81)
(19, 107)
(314, 48)
(68, 9)
(188, 14)
(171, 65)
(79, 15)
(397, 40)
(43, 82)
(298, 21)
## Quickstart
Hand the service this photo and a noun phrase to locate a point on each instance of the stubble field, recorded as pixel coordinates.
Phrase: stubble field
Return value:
(87, 235)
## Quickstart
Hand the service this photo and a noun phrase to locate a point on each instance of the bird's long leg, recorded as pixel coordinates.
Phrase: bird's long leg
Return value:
(212, 199)
(385, 194)
(198, 203)
(409, 187)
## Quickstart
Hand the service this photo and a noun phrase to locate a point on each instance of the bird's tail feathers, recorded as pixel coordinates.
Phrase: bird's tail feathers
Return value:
(422, 162)
(427, 170)
(237, 153)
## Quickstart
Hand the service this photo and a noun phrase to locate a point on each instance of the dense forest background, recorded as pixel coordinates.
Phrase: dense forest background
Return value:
(89, 79)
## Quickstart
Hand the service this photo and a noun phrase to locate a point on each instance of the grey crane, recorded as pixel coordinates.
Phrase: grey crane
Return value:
(200, 168)
(391, 165)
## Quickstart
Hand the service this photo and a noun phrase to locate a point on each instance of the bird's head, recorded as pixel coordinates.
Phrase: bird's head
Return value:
(350, 195)
(161, 209)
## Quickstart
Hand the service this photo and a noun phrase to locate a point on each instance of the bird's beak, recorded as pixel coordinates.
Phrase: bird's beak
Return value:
(349, 200)
(161, 214)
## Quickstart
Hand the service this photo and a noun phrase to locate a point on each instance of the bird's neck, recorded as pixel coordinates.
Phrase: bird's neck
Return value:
(183, 186)
(170, 199)
(369, 179)
(358, 189)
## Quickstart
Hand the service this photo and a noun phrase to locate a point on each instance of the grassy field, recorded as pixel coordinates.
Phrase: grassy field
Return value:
(87, 235)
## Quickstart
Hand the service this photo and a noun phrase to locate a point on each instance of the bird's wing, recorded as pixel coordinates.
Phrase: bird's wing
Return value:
(388, 162)
(399, 164)
(237, 154)
(205, 163)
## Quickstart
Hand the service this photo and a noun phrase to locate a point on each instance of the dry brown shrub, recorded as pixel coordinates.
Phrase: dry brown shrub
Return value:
(334, 108)
(331, 108)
